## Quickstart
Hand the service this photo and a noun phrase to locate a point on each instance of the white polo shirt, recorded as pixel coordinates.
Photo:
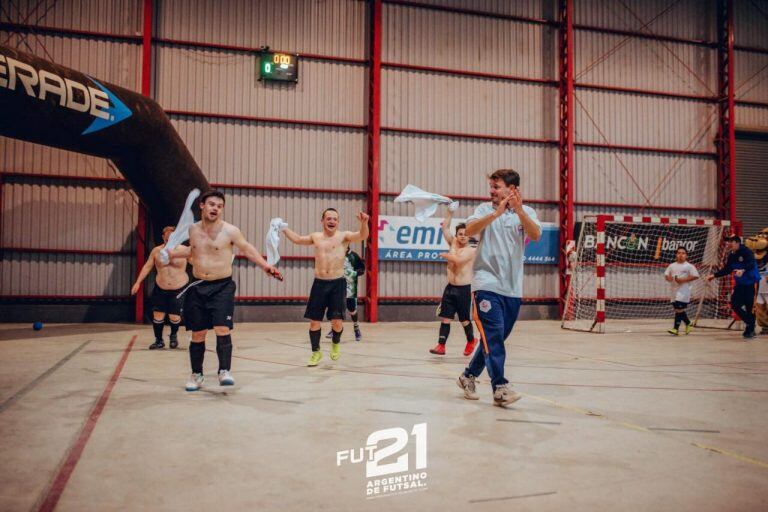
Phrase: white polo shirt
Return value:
(499, 261)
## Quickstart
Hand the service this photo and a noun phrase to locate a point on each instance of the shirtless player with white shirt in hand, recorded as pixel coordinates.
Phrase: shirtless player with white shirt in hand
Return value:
(457, 296)
(209, 302)
(329, 290)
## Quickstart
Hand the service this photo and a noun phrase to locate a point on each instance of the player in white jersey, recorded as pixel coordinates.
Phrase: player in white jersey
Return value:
(680, 274)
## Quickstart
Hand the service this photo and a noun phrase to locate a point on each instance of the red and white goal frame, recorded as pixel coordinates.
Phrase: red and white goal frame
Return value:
(618, 273)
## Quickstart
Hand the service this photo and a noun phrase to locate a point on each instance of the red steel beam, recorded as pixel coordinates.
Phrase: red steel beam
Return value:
(281, 188)
(234, 186)
(65, 297)
(129, 38)
(566, 211)
(464, 135)
(53, 250)
(146, 90)
(473, 74)
(472, 12)
(550, 142)
(110, 180)
(726, 137)
(646, 92)
(260, 119)
(374, 149)
(252, 49)
(50, 30)
(553, 202)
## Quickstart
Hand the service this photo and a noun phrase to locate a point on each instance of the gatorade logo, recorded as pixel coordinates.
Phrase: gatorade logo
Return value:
(99, 103)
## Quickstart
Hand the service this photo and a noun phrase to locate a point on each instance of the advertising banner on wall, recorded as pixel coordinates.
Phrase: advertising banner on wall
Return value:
(406, 239)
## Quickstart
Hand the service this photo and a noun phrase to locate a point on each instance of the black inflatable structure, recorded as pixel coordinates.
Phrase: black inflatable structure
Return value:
(49, 104)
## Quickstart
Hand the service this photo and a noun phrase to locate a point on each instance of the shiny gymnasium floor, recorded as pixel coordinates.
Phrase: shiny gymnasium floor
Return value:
(90, 419)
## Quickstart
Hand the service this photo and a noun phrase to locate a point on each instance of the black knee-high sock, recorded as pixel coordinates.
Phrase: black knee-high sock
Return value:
(224, 351)
(175, 327)
(196, 354)
(678, 319)
(354, 318)
(445, 330)
(336, 337)
(684, 317)
(314, 339)
(157, 326)
(469, 332)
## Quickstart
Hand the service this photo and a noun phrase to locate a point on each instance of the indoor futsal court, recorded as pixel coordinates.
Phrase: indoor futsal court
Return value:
(383, 255)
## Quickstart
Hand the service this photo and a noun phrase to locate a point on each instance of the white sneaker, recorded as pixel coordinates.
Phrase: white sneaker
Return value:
(225, 378)
(504, 396)
(195, 381)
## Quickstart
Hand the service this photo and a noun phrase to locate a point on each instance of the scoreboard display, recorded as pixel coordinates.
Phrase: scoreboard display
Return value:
(278, 67)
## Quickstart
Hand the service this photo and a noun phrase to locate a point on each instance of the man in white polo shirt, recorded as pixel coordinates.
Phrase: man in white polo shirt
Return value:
(497, 287)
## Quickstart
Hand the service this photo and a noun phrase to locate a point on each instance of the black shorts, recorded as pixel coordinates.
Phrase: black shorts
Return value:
(679, 305)
(209, 304)
(165, 301)
(457, 300)
(351, 303)
(327, 295)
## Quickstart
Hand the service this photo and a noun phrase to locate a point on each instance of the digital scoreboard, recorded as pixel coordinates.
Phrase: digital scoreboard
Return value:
(278, 67)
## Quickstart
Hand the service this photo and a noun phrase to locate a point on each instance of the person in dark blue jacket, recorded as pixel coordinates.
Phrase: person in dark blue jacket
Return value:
(741, 263)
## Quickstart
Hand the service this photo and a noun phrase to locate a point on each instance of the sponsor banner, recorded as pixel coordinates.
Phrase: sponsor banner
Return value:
(657, 243)
(406, 239)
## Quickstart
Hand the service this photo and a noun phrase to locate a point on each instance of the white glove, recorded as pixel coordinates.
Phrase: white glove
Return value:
(453, 206)
(282, 226)
(165, 258)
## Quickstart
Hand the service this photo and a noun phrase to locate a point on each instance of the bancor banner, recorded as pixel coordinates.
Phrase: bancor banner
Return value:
(406, 239)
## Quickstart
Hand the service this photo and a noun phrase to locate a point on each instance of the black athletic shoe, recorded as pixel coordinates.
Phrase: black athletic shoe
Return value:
(749, 334)
(174, 341)
(157, 345)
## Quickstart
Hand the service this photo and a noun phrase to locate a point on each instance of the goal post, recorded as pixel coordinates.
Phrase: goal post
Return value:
(618, 275)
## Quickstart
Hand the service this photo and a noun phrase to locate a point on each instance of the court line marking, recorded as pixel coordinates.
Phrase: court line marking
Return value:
(486, 500)
(53, 493)
(396, 412)
(696, 430)
(529, 421)
(29, 387)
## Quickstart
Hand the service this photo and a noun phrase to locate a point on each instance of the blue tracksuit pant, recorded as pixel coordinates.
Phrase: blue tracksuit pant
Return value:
(495, 315)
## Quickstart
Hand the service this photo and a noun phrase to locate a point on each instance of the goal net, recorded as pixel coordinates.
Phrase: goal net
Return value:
(618, 275)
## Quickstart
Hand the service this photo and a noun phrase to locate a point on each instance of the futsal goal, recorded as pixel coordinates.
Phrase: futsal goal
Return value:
(617, 278)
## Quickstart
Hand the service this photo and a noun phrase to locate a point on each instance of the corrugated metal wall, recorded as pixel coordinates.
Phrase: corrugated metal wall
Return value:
(221, 82)
(311, 135)
(751, 67)
(425, 100)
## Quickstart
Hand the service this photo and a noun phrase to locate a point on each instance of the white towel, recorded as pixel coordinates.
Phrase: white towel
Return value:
(181, 233)
(276, 226)
(425, 202)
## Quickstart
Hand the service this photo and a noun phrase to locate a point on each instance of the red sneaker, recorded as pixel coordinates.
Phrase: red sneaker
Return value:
(470, 347)
(439, 350)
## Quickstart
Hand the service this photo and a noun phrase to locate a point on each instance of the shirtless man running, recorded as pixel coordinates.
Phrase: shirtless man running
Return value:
(457, 297)
(169, 281)
(330, 287)
(209, 302)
